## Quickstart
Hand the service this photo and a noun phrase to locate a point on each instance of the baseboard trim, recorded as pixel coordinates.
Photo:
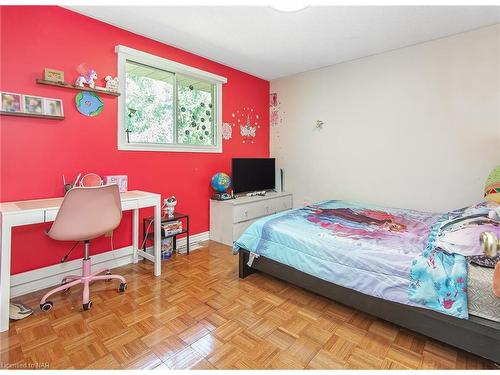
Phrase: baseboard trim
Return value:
(31, 281)
(194, 241)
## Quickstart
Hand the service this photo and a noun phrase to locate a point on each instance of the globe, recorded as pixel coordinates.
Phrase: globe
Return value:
(220, 182)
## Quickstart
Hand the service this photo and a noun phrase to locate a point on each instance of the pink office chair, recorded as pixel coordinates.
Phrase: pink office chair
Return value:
(86, 213)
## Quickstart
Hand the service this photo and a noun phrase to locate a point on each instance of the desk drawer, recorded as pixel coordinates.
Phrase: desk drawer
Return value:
(50, 215)
(24, 218)
(130, 205)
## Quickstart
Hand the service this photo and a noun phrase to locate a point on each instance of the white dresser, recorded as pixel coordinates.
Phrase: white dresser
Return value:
(228, 219)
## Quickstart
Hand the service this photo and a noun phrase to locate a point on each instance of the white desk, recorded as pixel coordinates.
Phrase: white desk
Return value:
(19, 213)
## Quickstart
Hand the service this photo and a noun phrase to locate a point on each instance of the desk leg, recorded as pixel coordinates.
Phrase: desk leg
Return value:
(5, 275)
(135, 234)
(157, 240)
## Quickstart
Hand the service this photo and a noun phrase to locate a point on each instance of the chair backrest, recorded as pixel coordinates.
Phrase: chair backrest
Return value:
(87, 213)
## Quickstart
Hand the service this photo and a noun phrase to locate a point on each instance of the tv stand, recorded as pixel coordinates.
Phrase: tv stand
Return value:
(229, 219)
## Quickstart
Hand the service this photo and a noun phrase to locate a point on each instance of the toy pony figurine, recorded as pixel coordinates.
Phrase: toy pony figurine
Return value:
(87, 76)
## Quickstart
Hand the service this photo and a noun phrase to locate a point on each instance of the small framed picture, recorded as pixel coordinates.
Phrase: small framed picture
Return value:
(11, 102)
(33, 104)
(53, 107)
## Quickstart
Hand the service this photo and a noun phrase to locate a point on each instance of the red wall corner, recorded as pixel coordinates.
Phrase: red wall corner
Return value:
(35, 153)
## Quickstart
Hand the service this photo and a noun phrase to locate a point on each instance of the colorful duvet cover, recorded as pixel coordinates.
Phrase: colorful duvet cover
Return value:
(396, 254)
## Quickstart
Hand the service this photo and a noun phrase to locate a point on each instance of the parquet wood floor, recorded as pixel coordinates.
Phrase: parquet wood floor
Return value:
(199, 315)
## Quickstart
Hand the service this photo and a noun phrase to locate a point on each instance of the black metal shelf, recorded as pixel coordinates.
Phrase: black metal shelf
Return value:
(146, 224)
(151, 236)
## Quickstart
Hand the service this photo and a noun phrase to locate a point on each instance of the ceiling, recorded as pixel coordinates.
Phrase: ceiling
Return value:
(271, 44)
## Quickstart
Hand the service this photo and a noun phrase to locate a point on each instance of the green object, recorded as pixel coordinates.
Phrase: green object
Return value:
(494, 177)
(89, 103)
(492, 186)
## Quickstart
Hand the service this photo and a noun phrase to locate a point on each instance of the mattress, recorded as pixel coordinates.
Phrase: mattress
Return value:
(482, 301)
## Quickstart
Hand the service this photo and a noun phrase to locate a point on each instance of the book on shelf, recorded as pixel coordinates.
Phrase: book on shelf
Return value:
(172, 227)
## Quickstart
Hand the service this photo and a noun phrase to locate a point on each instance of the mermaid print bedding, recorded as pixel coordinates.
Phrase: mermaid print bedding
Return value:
(400, 255)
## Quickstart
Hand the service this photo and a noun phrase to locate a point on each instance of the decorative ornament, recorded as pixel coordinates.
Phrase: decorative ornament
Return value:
(87, 76)
(319, 124)
(89, 103)
(170, 204)
(53, 75)
(227, 131)
(131, 112)
(111, 83)
(274, 109)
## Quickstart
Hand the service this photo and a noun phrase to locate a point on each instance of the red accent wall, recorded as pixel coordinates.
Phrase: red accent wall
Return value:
(35, 153)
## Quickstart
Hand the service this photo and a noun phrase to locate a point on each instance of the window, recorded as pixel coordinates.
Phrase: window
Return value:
(167, 106)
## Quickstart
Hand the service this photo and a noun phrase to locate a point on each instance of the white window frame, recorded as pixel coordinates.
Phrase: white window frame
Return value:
(126, 53)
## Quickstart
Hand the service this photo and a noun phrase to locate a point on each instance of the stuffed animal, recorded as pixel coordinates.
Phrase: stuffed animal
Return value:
(111, 83)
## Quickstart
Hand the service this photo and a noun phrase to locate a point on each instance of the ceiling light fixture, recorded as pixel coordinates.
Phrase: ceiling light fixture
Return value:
(289, 6)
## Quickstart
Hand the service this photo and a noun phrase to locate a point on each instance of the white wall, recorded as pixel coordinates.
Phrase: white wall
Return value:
(417, 127)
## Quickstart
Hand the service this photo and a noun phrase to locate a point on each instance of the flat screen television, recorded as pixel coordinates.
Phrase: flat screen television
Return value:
(253, 175)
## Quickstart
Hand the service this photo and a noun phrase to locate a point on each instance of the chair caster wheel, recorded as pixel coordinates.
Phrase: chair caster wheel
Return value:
(107, 274)
(123, 287)
(46, 306)
(87, 306)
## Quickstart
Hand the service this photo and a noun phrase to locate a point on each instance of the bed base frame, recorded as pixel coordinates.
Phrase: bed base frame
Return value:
(475, 335)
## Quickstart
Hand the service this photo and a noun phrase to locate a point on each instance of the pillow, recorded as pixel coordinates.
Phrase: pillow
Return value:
(458, 231)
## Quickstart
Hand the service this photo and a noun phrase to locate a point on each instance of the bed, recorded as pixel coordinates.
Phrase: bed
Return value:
(410, 266)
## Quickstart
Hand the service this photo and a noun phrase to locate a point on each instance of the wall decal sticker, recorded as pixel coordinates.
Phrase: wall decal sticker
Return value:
(274, 110)
(227, 131)
(248, 122)
(247, 131)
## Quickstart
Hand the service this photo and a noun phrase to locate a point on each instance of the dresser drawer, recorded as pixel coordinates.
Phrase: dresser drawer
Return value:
(250, 211)
(239, 228)
(253, 210)
(281, 204)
